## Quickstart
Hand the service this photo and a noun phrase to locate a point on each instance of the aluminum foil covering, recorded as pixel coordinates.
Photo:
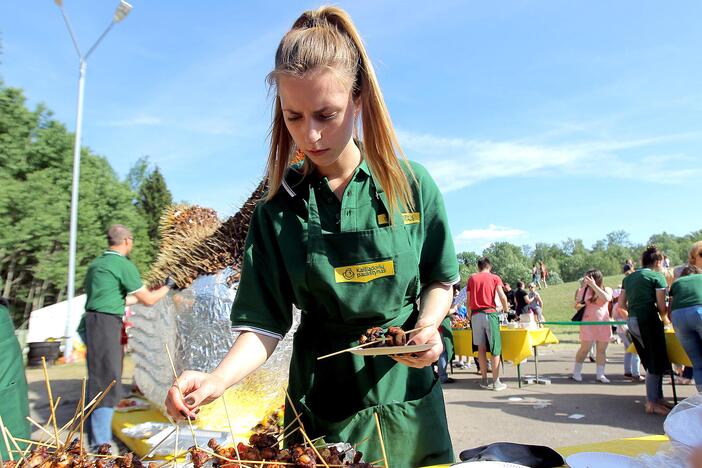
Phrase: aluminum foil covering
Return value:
(194, 323)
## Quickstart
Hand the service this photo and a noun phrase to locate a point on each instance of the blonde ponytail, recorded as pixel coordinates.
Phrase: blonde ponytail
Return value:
(327, 38)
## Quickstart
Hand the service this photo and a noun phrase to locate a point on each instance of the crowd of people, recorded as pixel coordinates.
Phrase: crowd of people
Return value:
(650, 299)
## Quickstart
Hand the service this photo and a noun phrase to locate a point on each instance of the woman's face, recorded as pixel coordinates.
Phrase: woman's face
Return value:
(319, 113)
(697, 261)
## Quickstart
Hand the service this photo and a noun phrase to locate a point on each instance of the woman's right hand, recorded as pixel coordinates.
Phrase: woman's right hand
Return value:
(191, 390)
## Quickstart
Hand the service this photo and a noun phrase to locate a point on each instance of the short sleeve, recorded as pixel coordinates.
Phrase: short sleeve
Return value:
(498, 281)
(674, 288)
(437, 259)
(130, 277)
(660, 282)
(263, 302)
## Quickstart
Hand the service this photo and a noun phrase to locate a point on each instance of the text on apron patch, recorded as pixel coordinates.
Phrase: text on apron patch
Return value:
(364, 272)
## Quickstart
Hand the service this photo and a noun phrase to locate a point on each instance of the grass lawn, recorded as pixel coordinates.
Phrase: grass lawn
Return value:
(559, 302)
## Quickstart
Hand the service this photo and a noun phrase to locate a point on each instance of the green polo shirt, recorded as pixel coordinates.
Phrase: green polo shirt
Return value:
(686, 292)
(276, 241)
(640, 288)
(110, 278)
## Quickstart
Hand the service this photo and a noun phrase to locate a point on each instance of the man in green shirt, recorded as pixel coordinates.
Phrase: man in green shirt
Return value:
(111, 283)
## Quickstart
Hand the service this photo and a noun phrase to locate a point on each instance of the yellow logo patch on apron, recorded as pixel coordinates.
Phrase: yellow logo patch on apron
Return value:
(364, 272)
(408, 218)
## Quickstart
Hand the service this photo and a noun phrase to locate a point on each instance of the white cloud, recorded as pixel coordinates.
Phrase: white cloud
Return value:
(479, 239)
(456, 163)
(492, 233)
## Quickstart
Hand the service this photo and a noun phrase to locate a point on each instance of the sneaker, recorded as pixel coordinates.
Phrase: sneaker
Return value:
(577, 377)
(484, 383)
(498, 386)
(602, 379)
(449, 380)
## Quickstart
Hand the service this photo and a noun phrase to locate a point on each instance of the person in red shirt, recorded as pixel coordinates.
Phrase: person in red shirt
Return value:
(485, 320)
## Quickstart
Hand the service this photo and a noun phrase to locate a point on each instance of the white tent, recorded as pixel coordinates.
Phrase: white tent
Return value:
(50, 321)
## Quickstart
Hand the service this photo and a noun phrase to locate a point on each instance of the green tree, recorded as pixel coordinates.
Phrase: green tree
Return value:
(509, 262)
(467, 265)
(154, 197)
(36, 176)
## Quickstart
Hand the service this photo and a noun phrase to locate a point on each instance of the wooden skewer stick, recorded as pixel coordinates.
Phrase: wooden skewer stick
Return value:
(82, 417)
(382, 444)
(285, 436)
(302, 429)
(176, 449)
(51, 400)
(88, 406)
(99, 398)
(51, 419)
(361, 442)
(229, 422)
(318, 439)
(69, 423)
(368, 344)
(34, 442)
(296, 420)
(39, 426)
(150, 452)
(7, 443)
(177, 384)
(14, 442)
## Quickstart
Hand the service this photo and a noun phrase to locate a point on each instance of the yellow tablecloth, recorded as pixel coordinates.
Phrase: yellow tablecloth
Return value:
(517, 343)
(676, 353)
(124, 420)
(631, 447)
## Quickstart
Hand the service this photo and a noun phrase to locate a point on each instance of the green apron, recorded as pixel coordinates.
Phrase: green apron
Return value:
(338, 396)
(14, 405)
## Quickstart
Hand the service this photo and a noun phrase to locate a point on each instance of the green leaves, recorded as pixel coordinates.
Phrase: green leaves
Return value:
(36, 159)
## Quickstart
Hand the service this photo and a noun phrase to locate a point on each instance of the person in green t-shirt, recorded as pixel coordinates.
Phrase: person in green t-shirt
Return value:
(686, 310)
(14, 405)
(356, 237)
(643, 298)
(111, 283)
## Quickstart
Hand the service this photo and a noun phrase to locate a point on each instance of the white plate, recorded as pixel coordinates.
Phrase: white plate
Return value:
(490, 464)
(597, 460)
(385, 350)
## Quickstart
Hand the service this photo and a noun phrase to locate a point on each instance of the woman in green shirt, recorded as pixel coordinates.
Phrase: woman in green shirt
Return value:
(643, 297)
(686, 310)
(355, 236)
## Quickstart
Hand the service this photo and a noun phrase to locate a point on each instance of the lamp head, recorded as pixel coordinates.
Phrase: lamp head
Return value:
(59, 3)
(121, 12)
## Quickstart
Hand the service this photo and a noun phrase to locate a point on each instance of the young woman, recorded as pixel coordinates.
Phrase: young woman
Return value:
(537, 304)
(643, 298)
(596, 298)
(686, 310)
(353, 236)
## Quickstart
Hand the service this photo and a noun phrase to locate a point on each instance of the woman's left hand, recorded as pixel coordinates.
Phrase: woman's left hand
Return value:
(425, 358)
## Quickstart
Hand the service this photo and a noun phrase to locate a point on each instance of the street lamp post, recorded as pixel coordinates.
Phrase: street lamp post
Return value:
(121, 12)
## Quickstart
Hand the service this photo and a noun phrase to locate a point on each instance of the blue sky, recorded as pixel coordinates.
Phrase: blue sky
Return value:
(539, 120)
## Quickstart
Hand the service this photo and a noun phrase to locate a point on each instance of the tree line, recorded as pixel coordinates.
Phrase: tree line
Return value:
(569, 260)
(36, 158)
